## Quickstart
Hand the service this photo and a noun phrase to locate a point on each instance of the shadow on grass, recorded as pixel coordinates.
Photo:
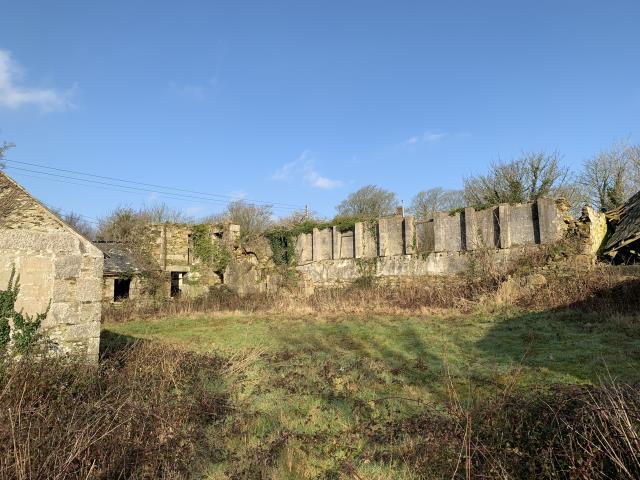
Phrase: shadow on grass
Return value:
(587, 340)
(111, 343)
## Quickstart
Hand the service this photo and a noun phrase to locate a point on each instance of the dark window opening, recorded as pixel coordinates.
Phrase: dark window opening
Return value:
(176, 283)
(121, 289)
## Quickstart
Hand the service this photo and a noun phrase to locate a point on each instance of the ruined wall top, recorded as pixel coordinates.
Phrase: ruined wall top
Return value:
(499, 227)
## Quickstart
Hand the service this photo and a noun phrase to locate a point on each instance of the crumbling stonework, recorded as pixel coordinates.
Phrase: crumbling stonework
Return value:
(57, 267)
(252, 270)
(396, 247)
(176, 256)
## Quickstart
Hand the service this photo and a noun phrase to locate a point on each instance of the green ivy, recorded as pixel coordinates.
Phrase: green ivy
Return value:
(212, 253)
(283, 239)
(26, 328)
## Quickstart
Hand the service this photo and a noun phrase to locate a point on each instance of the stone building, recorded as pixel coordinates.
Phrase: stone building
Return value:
(58, 267)
(174, 249)
(122, 277)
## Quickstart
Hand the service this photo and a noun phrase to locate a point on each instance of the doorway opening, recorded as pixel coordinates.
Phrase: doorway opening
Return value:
(176, 283)
(121, 288)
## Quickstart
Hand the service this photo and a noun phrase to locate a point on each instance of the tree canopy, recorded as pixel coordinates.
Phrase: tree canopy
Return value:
(368, 201)
(525, 179)
(427, 202)
(612, 176)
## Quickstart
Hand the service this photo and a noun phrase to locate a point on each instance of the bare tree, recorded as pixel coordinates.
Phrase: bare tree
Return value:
(123, 224)
(526, 179)
(3, 150)
(613, 175)
(163, 213)
(369, 201)
(298, 217)
(76, 221)
(253, 219)
(427, 202)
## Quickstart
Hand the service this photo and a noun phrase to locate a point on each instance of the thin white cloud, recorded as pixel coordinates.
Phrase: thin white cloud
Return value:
(288, 169)
(14, 96)
(429, 136)
(316, 180)
(304, 167)
(196, 92)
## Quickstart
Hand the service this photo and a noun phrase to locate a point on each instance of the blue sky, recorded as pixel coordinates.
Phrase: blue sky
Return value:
(303, 102)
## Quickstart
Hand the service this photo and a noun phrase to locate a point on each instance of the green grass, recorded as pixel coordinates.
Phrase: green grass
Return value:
(321, 385)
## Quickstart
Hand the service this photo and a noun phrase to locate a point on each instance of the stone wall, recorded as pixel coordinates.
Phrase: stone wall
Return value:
(399, 246)
(136, 290)
(57, 267)
(505, 226)
(173, 251)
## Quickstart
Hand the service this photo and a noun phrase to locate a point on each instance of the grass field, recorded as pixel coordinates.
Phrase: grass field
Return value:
(315, 393)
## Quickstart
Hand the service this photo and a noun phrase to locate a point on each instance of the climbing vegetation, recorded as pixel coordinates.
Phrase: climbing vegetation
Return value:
(282, 238)
(211, 252)
(25, 327)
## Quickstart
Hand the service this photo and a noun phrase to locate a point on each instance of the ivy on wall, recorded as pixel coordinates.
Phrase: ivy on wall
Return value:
(25, 327)
(212, 253)
(283, 238)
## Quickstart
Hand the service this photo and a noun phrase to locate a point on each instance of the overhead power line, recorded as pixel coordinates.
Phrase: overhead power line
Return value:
(170, 192)
(133, 182)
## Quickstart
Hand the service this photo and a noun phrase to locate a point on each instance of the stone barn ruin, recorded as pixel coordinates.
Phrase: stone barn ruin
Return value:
(58, 268)
(398, 246)
(122, 276)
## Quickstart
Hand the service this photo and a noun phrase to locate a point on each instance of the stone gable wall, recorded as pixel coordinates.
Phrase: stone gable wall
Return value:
(57, 266)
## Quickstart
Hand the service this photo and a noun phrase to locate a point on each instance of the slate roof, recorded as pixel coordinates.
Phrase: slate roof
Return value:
(118, 259)
(627, 229)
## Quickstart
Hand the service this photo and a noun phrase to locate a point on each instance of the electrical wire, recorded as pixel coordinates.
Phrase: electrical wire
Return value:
(133, 182)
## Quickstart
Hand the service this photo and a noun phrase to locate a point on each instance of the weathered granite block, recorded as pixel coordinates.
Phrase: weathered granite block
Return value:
(391, 236)
(337, 242)
(487, 228)
(322, 244)
(504, 222)
(471, 234)
(365, 240)
(347, 246)
(447, 232)
(304, 248)
(523, 225)
(550, 221)
(410, 236)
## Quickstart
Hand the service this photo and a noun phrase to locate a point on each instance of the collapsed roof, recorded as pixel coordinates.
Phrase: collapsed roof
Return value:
(118, 259)
(624, 244)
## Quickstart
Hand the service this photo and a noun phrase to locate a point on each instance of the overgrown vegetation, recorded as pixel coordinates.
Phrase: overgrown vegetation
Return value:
(213, 253)
(369, 201)
(144, 414)
(282, 237)
(25, 333)
(507, 395)
(612, 176)
(253, 219)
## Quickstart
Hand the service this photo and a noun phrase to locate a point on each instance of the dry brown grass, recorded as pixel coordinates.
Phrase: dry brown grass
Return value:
(582, 433)
(601, 288)
(143, 414)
